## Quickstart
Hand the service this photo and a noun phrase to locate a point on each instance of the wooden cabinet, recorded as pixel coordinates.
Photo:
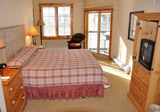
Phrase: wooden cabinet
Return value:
(14, 90)
(145, 84)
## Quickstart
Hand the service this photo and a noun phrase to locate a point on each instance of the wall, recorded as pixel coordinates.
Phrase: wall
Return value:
(78, 20)
(16, 12)
(12, 13)
(121, 46)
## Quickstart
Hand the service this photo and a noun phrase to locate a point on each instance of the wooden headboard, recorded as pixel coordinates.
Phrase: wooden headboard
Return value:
(14, 39)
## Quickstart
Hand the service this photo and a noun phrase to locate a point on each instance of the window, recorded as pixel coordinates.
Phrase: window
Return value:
(57, 19)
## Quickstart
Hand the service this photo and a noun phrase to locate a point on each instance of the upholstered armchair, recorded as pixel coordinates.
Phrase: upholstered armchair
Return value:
(76, 41)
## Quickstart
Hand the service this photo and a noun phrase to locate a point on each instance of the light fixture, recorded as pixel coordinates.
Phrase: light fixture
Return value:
(1, 47)
(33, 32)
(40, 23)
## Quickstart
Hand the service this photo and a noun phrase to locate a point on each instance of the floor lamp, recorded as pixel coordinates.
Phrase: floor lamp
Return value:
(33, 32)
(41, 24)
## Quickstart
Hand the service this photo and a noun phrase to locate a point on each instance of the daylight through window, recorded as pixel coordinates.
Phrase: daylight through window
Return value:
(57, 19)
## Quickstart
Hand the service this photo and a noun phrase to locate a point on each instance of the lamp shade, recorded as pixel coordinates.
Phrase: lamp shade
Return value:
(1, 44)
(40, 22)
(33, 32)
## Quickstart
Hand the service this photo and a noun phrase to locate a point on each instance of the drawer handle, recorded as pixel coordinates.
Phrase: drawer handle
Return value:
(21, 87)
(23, 97)
(140, 89)
(13, 102)
(20, 76)
(11, 89)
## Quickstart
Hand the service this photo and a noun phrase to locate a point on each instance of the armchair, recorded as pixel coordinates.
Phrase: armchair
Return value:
(76, 41)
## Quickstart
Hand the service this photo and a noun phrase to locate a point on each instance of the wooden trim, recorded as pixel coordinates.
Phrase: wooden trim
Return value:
(86, 28)
(98, 10)
(71, 19)
(59, 37)
(40, 16)
(98, 6)
(148, 16)
(111, 28)
(56, 17)
(98, 34)
(56, 5)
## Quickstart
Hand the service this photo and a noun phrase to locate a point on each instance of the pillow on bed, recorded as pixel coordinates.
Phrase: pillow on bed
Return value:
(23, 56)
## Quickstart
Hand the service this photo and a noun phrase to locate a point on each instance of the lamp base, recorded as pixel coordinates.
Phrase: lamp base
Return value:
(33, 41)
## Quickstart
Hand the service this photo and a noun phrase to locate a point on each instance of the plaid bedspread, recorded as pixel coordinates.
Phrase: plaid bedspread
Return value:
(62, 67)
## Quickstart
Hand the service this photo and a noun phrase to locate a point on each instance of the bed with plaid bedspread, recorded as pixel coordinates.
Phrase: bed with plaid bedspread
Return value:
(49, 70)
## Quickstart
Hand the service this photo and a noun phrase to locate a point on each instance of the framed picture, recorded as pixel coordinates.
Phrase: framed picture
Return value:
(132, 25)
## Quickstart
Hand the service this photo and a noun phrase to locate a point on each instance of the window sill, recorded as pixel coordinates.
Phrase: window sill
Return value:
(56, 38)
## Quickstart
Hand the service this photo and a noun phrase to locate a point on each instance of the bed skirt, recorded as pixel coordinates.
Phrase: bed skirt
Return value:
(65, 92)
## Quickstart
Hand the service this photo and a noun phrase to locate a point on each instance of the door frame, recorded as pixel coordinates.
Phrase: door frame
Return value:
(86, 12)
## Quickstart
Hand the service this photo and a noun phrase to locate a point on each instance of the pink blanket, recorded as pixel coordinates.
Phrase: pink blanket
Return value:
(48, 68)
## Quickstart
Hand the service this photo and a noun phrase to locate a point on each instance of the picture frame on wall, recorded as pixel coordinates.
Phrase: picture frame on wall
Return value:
(132, 25)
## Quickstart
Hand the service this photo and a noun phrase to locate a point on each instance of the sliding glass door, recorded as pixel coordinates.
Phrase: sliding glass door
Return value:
(93, 32)
(98, 31)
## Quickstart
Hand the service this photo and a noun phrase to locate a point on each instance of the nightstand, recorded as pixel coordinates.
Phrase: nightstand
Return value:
(41, 47)
(14, 90)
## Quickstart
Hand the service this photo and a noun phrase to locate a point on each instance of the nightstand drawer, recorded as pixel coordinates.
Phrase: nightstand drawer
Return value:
(137, 98)
(139, 86)
(19, 92)
(13, 84)
(21, 101)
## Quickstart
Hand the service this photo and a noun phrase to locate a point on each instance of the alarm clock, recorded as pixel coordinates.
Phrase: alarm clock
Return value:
(3, 65)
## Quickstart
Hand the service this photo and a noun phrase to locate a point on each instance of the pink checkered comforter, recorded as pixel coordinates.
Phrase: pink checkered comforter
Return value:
(62, 67)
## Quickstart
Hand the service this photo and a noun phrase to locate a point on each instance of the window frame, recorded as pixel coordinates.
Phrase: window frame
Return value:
(56, 5)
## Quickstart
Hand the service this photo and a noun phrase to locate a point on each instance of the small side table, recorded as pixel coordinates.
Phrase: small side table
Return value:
(13, 88)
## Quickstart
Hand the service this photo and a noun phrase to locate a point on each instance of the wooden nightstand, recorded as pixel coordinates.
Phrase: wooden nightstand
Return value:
(14, 90)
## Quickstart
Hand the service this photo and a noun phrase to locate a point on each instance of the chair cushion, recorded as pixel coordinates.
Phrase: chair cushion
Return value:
(75, 45)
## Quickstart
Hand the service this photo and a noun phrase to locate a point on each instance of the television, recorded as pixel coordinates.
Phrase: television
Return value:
(146, 53)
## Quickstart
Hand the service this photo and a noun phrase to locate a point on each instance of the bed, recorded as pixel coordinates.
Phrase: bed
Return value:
(61, 74)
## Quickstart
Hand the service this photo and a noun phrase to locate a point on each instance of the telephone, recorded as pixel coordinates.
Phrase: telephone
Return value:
(3, 65)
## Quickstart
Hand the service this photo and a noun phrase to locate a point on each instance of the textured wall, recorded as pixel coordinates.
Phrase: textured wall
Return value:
(78, 20)
(14, 12)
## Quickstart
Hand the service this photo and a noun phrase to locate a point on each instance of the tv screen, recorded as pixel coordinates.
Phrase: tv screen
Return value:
(146, 53)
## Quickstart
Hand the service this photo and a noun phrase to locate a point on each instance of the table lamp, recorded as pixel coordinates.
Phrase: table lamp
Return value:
(1, 47)
(33, 32)
(40, 23)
